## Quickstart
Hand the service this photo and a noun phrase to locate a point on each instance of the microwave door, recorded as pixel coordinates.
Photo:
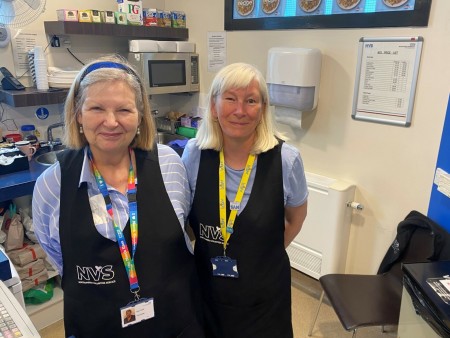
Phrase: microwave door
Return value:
(167, 76)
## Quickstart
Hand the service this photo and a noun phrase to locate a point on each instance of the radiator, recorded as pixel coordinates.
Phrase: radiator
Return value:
(321, 246)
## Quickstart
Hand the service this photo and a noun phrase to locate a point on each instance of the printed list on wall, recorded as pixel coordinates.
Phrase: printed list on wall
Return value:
(386, 79)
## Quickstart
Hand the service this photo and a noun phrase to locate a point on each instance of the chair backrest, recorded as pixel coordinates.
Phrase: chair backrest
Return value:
(419, 249)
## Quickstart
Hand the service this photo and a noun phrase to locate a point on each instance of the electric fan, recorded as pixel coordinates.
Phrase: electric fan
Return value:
(19, 13)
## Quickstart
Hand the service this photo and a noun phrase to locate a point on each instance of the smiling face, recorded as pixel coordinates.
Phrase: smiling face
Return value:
(239, 111)
(109, 117)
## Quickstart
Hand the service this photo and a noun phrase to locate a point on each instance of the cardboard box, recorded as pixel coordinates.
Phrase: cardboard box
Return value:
(165, 19)
(133, 11)
(121, 18)
(96, 16)
(150, 16)
(67, 14)
(85, 15)
(108, 16)
(178, 19)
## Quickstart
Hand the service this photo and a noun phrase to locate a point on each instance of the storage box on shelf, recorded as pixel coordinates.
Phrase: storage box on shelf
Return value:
(133, 11)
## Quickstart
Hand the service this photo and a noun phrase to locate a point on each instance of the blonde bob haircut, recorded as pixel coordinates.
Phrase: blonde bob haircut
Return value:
(107, 69)
(237, 76)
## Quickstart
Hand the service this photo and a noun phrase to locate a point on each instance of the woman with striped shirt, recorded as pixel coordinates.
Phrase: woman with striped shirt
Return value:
(111, 213)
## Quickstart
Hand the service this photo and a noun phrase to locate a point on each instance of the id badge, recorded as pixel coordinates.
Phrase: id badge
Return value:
(224, 267)
(137, 312)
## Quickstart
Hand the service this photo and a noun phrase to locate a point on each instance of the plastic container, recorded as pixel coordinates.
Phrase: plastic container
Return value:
(187, 131)
(14, 137)
(28, 132)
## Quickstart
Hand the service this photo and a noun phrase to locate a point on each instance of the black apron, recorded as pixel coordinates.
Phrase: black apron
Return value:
(94, 280)
(258, 303)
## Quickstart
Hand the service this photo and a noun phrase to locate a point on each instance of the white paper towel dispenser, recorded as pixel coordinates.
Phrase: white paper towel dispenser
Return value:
(293, 76)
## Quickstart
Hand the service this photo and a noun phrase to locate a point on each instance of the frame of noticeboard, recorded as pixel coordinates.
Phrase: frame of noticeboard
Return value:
(418, 17)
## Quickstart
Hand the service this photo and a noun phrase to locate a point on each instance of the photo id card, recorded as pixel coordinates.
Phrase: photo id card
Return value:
(136, 312)
(224, 267)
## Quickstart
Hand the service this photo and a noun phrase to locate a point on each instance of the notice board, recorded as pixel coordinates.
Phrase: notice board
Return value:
(386, 78)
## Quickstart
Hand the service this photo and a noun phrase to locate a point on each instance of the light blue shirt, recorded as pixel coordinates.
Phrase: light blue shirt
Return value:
(46, 202)
(294, 180)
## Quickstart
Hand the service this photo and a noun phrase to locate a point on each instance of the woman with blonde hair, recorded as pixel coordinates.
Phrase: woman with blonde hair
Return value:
(249, 202)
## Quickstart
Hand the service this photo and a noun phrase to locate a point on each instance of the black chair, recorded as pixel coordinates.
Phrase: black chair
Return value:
(374, 300)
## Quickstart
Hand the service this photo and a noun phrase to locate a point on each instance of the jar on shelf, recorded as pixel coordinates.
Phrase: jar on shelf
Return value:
(28, 132)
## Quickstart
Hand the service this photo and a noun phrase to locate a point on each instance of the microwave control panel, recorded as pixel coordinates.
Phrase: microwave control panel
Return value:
(194, 69)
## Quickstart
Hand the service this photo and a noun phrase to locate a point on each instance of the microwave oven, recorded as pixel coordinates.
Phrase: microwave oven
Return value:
(166, 73)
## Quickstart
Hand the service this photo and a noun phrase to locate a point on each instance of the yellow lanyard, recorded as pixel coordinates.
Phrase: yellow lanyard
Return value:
(227, 228)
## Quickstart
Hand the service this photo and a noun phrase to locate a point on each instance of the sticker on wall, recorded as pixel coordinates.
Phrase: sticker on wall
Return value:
(42, 113)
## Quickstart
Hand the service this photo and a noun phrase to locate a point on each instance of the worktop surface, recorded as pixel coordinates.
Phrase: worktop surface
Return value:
(20, 183)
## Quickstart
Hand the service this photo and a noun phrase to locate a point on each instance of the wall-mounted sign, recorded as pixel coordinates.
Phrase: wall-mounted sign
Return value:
(292, 14)
(42, 113)
(386, 77)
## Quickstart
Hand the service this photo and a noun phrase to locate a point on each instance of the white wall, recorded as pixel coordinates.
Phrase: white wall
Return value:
(391, 166)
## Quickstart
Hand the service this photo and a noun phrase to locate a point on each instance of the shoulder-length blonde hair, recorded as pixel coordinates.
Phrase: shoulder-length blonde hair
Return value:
(108, 68)
(237, 76)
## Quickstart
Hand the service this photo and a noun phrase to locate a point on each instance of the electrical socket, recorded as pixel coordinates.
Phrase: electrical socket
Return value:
(64, 41)
(61, 41)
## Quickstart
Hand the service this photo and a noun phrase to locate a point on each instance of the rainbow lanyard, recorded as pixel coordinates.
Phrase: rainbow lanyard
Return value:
(234, 206)
(128, 260)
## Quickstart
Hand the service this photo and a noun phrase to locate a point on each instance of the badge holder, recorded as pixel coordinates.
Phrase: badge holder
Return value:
(137, 311)
(224, 267)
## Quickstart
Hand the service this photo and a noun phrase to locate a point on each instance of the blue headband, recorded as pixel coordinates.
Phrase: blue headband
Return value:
(105, 64)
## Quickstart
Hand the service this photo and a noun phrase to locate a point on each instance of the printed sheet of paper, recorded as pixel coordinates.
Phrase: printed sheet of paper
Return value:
(386, 79)
(217, 50)
(22, 42)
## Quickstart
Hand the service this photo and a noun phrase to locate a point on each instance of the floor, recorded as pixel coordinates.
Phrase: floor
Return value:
(305, 299)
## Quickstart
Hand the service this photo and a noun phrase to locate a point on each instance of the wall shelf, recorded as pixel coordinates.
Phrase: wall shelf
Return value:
(32, 97)
(114, 30)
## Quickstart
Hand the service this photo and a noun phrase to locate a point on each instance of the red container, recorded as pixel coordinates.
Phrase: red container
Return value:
(13, 137)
